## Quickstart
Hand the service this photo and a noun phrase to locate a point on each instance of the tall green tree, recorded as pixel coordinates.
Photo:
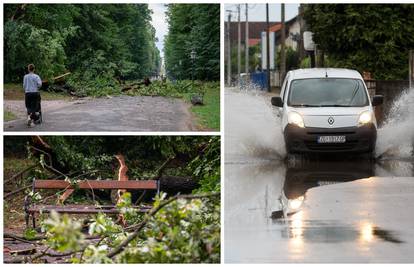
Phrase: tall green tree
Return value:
(36, 34)
(193, 27)
(367, 37)
(98, 43)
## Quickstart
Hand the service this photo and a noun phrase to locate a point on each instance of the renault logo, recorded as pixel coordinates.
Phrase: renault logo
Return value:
(331, 120)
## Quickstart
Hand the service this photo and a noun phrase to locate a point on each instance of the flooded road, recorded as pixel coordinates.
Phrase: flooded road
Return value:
(310, 210)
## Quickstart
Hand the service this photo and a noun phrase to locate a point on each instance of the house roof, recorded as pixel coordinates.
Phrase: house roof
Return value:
(278, 27)
(255, 29)
(275, 28)
(253, 42)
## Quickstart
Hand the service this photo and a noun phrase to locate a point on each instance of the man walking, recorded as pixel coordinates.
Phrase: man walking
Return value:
(31, 85)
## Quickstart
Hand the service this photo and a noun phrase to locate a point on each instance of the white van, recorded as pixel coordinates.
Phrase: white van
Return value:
(327, 110)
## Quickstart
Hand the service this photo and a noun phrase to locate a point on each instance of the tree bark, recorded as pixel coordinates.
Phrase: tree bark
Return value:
(176, 184)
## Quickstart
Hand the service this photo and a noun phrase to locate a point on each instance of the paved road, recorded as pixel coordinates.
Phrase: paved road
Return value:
(304, 210)
(122, 113)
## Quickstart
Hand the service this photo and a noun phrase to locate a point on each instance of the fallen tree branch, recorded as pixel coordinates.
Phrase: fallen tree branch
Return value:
(16, 191)
(49, 166)
(27, 259)
(22, 238)
(162, 168)
(149, 215)
(20, 173)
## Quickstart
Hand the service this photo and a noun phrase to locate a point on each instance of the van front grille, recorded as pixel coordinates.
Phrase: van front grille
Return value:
(330, 133)
(348, 145)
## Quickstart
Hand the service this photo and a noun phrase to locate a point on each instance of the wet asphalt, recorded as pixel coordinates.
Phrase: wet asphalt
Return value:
(282, 209)
(123, 113)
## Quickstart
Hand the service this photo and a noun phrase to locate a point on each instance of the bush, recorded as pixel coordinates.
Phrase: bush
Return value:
(184, 231)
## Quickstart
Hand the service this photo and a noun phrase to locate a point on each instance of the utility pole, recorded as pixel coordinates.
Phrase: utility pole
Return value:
(282, 47)
(411, 69)
(302, 28)
(267, 48)
(228, 51)
(246, 41)
(238, 46)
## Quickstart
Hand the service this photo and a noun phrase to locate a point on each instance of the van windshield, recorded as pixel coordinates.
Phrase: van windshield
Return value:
(327, 92)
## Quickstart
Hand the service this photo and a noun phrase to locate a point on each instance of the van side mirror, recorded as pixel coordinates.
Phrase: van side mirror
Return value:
(377, 100)
(277, 101)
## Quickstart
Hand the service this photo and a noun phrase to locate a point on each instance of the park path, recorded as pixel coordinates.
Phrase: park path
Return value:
(121, 113)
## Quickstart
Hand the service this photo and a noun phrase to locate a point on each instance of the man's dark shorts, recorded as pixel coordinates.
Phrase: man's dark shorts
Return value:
(32, 101)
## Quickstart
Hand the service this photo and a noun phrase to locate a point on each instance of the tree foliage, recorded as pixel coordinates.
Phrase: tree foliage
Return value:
(193, 27)
(184, 231)
(97, 42)
(178, 229)
(367, 37)
(93, 156)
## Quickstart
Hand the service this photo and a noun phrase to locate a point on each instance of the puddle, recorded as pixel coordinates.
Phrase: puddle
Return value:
(297, 209)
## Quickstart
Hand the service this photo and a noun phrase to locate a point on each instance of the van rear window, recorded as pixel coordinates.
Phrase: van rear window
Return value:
(327, 92)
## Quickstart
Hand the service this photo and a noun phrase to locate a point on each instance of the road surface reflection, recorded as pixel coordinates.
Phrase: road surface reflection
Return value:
(292, 211)
(309, 210)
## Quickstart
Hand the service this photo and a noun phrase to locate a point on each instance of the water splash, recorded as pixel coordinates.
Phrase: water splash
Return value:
(254, 124)
(396, 136)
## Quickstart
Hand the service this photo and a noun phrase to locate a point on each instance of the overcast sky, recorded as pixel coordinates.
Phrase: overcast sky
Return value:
(160, 24)
(257, 12)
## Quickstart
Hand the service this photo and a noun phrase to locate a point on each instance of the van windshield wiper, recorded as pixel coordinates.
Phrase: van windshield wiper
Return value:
(305, 105)
(335, 105)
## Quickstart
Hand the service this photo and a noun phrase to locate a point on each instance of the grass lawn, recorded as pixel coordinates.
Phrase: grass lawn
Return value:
(208, 115)
(14, 91)
(9, 116)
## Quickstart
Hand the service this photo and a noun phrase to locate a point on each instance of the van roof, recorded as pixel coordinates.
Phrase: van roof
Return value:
(322, 72)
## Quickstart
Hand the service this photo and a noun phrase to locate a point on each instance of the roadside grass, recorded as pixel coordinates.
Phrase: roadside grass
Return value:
(14, 91)
(9, 116)
(13, 206)
(208, 115)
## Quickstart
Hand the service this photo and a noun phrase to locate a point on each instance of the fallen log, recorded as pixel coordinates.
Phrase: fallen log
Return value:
(177, 184)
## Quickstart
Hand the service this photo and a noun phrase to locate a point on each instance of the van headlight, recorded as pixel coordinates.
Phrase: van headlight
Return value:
(295, 204)
(365, 117)
(296, 119)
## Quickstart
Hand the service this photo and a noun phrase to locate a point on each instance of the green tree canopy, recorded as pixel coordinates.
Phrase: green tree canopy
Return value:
(366, 37)
(193, 27)
(95, 41)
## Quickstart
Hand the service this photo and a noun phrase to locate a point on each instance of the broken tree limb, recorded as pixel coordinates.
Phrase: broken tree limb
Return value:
(149, 215)
(19, 13)
(162, 168)
(22, 238)
(56, 78)
(122, 176)
(49, 166)
(40, 146)
(20, 173)
(173, 184)
(16, 191)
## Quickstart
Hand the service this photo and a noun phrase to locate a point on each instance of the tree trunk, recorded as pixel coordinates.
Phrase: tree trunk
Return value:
(174, 184)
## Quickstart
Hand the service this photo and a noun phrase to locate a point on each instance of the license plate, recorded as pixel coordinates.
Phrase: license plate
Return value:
(331, 139)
